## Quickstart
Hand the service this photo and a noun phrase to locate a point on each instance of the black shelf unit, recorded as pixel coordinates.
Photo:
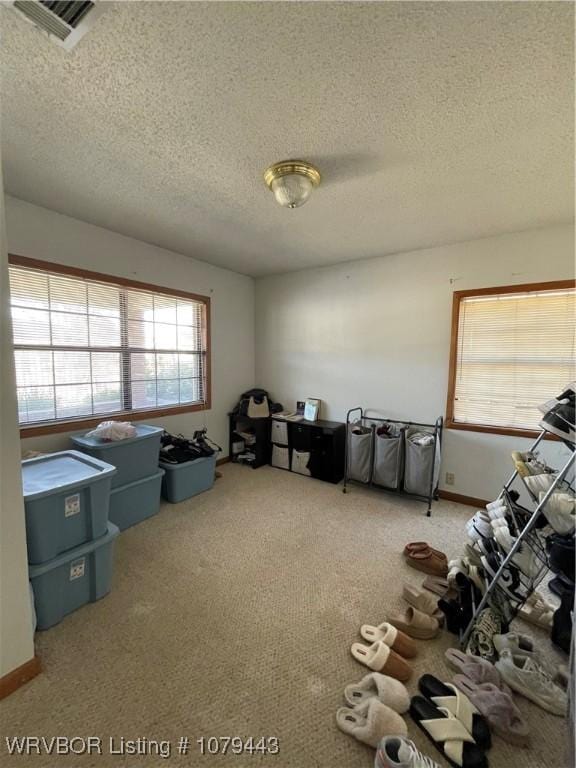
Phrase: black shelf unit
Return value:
(325, 441)
(262, 447)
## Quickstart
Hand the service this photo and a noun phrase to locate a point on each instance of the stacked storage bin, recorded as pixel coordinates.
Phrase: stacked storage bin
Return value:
(69, 537)
(182, 481)
(280, 449)
(135, 493)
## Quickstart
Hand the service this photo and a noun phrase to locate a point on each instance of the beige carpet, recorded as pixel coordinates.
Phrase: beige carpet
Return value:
(232, 615)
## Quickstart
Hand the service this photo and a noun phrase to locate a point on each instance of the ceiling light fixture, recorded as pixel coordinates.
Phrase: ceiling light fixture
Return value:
(292, 182)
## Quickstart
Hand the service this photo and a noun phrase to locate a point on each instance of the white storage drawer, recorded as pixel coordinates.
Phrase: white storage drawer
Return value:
(279, 432)
(280, 457)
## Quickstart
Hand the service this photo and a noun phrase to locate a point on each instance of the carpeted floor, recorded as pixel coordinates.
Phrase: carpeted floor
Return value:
(232, 615)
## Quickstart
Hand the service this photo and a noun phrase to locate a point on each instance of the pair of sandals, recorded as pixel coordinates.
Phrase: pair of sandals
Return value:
(388, 650)
(482, 683)
(450, 720)
(374, 710)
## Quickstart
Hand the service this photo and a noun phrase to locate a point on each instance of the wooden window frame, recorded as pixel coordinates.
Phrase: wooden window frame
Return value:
(91, 421)
(456, 302)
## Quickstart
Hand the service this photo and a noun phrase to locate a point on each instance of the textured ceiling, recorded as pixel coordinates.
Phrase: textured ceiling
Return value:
(431, 123)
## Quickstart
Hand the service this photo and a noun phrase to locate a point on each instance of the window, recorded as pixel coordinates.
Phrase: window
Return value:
(87, 345)
(512, 348)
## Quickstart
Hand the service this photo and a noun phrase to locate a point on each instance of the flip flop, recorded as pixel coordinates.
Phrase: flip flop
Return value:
(447, 733)
(390, 636)
(370, 721)
(503, 716)
(476, 669)
(439, 586)
(416, 624)
(422, 601)
(537, 611)
(448, 697)
(380, 658)
(382, 687)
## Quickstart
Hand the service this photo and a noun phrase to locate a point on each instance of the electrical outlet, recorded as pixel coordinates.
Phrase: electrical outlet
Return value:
(449, 478)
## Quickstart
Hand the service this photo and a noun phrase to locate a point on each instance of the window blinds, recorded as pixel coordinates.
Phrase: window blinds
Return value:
(514, 352)
(85, 348)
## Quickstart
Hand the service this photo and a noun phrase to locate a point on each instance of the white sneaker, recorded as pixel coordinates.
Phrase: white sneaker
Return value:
(516, 643)
(493, 504)
(538, 484)
(524, 559)
(400, 752)
(560, 511)
(498, 512)
(527, 677)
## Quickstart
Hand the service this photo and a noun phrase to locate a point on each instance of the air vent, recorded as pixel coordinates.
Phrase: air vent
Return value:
(65, 22)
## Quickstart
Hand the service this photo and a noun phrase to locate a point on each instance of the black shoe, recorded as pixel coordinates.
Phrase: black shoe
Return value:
(561, 586)
(561, 555)
(560, 421)
(562, 623)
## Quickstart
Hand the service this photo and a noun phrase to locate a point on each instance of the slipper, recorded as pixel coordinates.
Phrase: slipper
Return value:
(447, 696)
(537, 611)
(416, 546)
(380, 658)
(382, 687)
(425, 560)
(370, 721)
(422, 601)
(503, 716)
(447, 733)
(416, 624)
(391, 637)
(475, 668)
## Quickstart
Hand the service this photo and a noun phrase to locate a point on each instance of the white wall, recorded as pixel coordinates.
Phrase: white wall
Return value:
(376, 333)
(16, 636)
(42, 234)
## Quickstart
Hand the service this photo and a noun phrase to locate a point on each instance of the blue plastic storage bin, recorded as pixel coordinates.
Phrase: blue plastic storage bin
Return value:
(182, 481)
(66, 498)
(132, 503)
(81, 575)
(134, 458)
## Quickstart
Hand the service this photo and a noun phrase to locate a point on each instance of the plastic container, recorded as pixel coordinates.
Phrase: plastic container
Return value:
(134, 458)
(132, 503)
(182, 481)
(81, 575)
(66, 498)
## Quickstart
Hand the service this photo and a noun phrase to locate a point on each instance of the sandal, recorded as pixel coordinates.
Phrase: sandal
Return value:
(422, 601)
(475, 668)
(439, 586)
(538, 611)
(503, 716)
(382, 687)
(370, 721)
(448, 734)
(416, 624)
(380, 658)
(448, 697)
(390, 636)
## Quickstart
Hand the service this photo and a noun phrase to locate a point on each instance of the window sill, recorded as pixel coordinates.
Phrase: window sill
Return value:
(35, 430)
(510, 431)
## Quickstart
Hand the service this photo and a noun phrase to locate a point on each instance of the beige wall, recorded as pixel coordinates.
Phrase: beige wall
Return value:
(376, 333)
(42, 234)
(16, 636)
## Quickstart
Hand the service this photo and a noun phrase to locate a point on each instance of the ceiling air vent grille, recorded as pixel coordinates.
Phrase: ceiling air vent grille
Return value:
(65, 21)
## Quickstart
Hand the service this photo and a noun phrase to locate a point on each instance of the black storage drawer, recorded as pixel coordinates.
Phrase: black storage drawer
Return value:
(300, 437)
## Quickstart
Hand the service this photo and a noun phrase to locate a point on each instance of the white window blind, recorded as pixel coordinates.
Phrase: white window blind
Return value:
(89, 348)
(514, 351)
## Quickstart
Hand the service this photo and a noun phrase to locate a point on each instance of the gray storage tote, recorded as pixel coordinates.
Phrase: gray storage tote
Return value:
(422, 466)
(135, 457)
(66, 499)
(388, 465)
(134, 502)
(359, 455)
(182, 481)
(81, 575)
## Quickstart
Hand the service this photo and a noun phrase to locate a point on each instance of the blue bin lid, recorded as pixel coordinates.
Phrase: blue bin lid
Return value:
(61, 471)
(72, 554)
(142, 432)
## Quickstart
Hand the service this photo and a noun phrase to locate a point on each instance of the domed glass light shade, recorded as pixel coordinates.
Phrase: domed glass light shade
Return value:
(292, 182)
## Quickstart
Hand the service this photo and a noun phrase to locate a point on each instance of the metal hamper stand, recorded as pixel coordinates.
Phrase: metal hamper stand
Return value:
(373, 422)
